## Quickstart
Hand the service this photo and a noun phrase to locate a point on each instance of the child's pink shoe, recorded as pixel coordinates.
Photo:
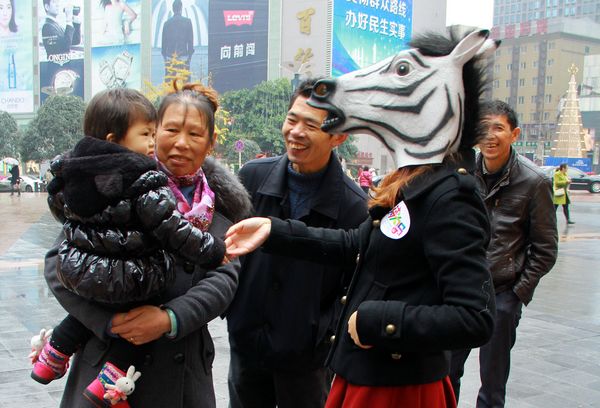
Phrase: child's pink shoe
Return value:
(106, 392)
(50, 365)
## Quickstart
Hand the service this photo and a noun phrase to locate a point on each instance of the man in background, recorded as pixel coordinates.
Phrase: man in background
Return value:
(178, 39)
(523, 248)
(56, 39)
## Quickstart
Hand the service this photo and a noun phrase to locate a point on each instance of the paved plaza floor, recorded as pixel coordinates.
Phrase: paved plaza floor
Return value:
(556, 361)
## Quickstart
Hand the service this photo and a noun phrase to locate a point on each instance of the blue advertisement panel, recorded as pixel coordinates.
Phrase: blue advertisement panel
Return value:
(367, 31)
(115, 44)
(179, 30)
(583, 164)
(237, 50)
(61, 45)
(16, 57)
(116, 67)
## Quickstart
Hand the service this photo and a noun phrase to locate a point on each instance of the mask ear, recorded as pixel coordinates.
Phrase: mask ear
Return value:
(489, 47)
(469, 47)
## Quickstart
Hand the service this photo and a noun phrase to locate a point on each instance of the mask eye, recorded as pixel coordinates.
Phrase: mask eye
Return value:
(403, 68)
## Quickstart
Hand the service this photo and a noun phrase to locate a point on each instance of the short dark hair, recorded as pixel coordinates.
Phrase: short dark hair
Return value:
(563, 166)
(177, 6)
(114, 111)
(304, 89)
(204, 99)
(500, 108)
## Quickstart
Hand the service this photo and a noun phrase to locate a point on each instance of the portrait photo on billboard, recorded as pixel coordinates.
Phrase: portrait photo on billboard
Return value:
(16, 57)
(179, 39)
(61, 47)
(237, 53)
(116, 67)
(115, 22)
(365, 33)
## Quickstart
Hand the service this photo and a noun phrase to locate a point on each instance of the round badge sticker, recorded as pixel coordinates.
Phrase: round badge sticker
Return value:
(396, 223)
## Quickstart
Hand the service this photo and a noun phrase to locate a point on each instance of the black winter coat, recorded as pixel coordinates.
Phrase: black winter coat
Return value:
(120, 224)
(285, 311)
(417, 296)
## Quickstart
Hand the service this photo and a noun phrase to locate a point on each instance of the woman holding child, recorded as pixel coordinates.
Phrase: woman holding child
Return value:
(176, 348)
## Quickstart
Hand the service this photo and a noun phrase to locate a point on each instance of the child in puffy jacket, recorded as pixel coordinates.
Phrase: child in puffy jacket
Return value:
(121, 225)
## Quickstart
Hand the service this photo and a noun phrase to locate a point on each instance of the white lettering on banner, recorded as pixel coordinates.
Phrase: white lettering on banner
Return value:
(352, 1)
(374, 3)
(238, 50)
(383, 26)
(384, 5)
(394, 6)
(226, 52)
(374, 24)
(364, 2)
(250, 48)
(402, 9)
(393, 27)
(60, 59)
(363, 19)
(350, 18)
(238, 17)
(401, 31)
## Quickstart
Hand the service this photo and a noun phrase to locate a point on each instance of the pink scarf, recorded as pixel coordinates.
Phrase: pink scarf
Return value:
(200, 213)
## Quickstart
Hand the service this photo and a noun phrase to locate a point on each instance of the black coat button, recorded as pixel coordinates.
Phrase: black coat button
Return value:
(179, 358)
(148, 359)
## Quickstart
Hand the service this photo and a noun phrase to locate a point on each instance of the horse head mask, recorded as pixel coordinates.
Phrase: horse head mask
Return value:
(422, 104)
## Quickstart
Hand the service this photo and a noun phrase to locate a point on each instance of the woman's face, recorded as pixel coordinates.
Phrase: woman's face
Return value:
(182, 139)
(5, 13)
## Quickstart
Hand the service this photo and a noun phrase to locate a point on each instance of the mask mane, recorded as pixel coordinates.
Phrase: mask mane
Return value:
(422, 103)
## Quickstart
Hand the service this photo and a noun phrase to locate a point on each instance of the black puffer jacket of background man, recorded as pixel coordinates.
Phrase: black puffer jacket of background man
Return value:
(285, 310)
(524, 240)
(120, 224)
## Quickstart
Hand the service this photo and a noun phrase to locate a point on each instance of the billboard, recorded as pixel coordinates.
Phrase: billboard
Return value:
(116, 37)
(180, 32)
(237, 52)
(61, 48)
(365, 32)
(16, 63)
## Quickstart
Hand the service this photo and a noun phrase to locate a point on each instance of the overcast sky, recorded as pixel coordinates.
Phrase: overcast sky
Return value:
(478, 13)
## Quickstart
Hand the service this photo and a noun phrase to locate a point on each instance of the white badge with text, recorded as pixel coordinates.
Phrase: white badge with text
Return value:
(396, 223)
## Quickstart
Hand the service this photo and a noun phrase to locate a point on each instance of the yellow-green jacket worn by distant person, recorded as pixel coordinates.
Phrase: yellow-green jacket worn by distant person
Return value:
(561, 181)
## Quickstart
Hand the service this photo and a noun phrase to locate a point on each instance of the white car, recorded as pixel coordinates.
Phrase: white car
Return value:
(31, 184)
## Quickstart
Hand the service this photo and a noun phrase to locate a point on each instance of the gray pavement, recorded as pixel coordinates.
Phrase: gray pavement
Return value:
(556, 361)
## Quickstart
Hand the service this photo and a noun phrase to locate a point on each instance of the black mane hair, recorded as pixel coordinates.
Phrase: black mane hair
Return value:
(474, 79)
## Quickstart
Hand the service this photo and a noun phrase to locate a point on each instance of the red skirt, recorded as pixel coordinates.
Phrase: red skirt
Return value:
(438, 394)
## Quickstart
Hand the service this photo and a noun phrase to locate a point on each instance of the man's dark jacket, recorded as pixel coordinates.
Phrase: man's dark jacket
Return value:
(524, 239)
(178, 37)
(57, 40)
(285, 310)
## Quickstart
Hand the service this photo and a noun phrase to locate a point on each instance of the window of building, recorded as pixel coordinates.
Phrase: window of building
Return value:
(534, 81)
(548, 98)
(509, 67)
(521, 100)
(496, 68)
(535, 64)
(586, 50)
(549, 80)
(522, 82)
(507, 83)
(496, 84)
(498, 52)
(551, 45)
(533, 98)
(546, 116)
(550, 62)
(523, 65)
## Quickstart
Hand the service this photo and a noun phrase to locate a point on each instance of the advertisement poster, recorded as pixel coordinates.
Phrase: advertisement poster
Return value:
(16, 57)
(180, 30)
(367, 32)
(115, 44)
(237, 52)
(61, 44)
(116, 67)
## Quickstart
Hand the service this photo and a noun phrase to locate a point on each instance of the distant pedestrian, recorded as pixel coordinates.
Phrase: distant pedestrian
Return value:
(15, 180)
(522, 249)
(365, 179)
(561, 183)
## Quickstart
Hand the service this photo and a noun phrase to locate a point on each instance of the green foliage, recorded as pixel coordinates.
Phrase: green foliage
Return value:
(347, 150)
(257, 114)
(56, 128)
(9, 135)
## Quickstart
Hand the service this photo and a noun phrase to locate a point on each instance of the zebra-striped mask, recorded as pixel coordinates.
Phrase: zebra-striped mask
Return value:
(412, 103)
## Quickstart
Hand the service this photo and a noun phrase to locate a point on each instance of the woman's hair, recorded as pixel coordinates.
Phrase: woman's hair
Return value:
(386, 194)
(562, 166)
(114, 111)
(365, 168)
(204, 99)
(12, 24)
(104, 3)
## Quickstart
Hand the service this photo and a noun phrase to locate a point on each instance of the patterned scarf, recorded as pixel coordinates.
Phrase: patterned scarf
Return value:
(200, 213)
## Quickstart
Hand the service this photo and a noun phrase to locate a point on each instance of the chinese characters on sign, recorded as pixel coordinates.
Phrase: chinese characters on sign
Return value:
(378, 24)
(304, 17)
(239, 50)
